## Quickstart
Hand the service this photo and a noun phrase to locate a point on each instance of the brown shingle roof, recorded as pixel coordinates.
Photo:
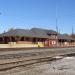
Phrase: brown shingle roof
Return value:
(43, 32)
(35, 32)
(18, 32)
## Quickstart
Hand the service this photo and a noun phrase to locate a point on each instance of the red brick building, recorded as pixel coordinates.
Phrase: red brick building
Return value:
(47, 38)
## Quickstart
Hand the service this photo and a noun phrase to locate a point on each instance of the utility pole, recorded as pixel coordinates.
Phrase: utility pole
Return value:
(56, 27)
(0, 13)
(72, 31)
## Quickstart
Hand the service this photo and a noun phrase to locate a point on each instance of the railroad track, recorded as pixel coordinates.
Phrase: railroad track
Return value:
(36, 56)
(8, 66)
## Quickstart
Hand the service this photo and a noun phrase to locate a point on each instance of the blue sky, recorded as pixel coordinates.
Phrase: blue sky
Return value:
(27, 14)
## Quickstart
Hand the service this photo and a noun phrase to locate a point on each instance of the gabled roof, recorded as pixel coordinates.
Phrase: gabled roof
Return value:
(27, 33)
(34, 32)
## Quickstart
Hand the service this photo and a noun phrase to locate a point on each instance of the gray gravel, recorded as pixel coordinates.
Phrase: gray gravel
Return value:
(65, 66)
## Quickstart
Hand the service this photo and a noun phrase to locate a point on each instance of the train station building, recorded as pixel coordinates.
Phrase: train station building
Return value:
(35, 37)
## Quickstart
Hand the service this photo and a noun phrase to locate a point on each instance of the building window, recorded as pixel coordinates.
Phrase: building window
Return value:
(27, 39)
(22, 39)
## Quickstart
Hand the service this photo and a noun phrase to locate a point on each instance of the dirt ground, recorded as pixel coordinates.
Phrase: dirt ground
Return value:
(65, 66)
